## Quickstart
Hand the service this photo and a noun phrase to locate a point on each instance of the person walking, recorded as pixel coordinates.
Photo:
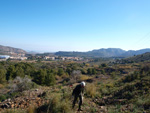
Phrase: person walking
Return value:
(78, 93)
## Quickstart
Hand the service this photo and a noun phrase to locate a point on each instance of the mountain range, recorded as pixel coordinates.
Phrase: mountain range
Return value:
(109, 52)
(104, 52)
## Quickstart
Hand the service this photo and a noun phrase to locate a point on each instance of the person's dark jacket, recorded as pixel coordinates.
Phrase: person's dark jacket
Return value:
(78, 90)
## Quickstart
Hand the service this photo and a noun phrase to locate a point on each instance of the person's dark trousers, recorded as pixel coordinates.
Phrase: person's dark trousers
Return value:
(75, 99)
(80, 103)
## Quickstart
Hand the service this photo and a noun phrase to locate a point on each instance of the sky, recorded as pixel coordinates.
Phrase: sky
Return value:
(75, 25)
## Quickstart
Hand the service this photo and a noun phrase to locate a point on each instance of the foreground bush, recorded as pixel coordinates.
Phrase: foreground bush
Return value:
(91, 90)
(21, 84)
(56, 105)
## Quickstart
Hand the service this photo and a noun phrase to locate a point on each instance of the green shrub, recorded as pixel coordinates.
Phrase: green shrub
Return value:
(65, 107)
(143, 102)
(104, 91)
(115, 109)
(2, 97)
(93, 110)
(66, 94)
(147, 104)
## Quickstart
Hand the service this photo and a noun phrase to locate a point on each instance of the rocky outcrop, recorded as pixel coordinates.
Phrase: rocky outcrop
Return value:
(28, 98)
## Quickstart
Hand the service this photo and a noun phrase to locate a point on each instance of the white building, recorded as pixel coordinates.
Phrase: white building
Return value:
(49, 58)
(18, 58)
(4, 56)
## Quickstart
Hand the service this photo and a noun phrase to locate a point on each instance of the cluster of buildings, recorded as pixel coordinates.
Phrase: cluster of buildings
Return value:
(62, 58)
(6, 57)
(23, 57)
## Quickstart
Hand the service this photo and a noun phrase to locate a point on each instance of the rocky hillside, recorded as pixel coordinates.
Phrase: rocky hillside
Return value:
(9, 50)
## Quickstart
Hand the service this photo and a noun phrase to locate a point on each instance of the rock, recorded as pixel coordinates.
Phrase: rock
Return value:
(36, 89)
(8, 100)
(42, 94)
(5, 106)
(22, 106)
(12, 105)
(38, 98)
(101, 107)
(9, 103)
(104, 97)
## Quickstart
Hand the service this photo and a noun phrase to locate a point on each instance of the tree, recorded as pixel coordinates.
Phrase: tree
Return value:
(10, 72)
(29, 69)
(103, 71)
(50, 79)
(40, 77)
(83, 71)
(89, 71)
(68, 70)
(104, 65)
(19, 72)
(113, 74)
(2, 75)
(60, 71)
(94, 71)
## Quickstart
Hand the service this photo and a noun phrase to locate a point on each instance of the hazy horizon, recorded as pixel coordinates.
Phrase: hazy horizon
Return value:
(76, 25)
(79, 51)
(72, 50)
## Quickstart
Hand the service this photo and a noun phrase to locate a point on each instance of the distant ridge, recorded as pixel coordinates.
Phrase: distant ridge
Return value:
(97, 53)
(138, 52)
(109, 52)
(8, 50)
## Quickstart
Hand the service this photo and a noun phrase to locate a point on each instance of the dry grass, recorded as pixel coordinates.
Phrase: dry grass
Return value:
(31, 109)
(84, 77)
(57, 104)
(13, 111)
(1, 86)
(91, 90)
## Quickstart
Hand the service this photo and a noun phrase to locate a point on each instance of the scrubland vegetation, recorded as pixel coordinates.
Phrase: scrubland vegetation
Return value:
(110, 87)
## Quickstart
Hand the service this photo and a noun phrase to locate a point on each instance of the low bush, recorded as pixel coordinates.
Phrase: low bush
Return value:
(143, 102)
(2, 97)
(21, 84)
(91, 90)
(56, 105)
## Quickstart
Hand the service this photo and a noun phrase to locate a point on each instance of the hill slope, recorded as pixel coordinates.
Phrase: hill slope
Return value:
(139, 58)
(8, 50)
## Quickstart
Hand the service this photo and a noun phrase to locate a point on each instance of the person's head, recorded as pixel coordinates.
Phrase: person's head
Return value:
(83, 84)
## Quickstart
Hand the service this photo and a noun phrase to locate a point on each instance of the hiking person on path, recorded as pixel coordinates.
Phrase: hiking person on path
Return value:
(78, 93)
